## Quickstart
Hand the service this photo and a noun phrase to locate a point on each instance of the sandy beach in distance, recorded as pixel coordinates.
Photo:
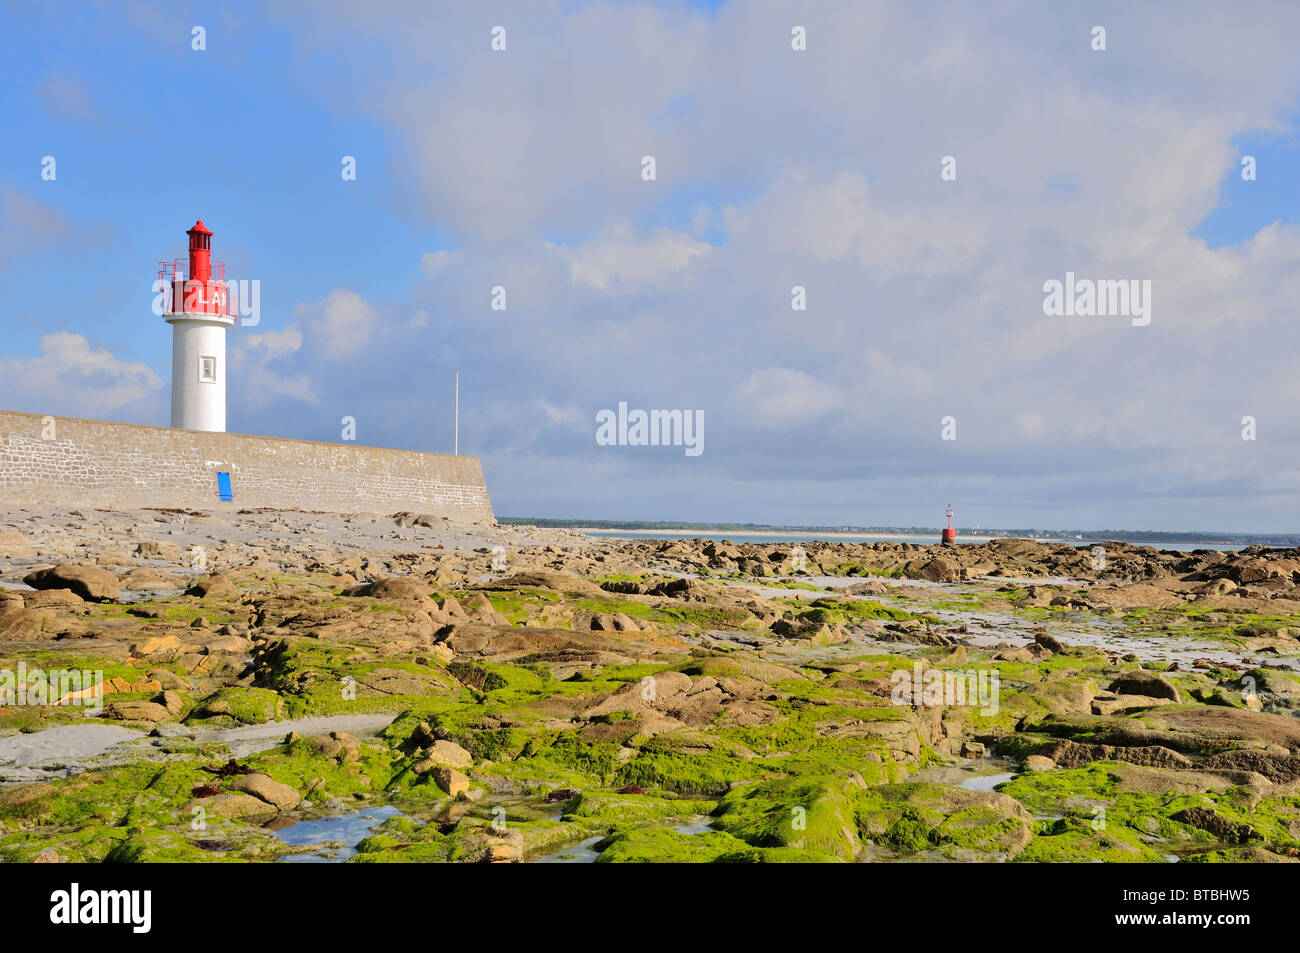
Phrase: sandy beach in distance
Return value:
(785, 534)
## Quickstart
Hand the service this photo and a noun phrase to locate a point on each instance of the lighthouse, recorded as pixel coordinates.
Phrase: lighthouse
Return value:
(949, 534)
(199, 312)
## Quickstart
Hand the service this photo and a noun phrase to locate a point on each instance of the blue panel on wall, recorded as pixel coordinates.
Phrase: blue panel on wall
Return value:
(223, 487)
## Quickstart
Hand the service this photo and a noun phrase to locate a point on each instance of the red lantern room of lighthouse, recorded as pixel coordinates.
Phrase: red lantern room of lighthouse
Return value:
(202, 287)
(949, 534)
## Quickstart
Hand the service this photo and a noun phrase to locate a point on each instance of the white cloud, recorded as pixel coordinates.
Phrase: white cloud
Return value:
(823, 170)
(341, 324)
(836, 220)
(780, 396)
(70, 373)
(618, 258)
(436, 261)
(273, 344)
(258, 383)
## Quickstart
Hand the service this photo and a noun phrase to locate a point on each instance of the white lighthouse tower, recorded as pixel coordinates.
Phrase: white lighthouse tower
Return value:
(200, 313)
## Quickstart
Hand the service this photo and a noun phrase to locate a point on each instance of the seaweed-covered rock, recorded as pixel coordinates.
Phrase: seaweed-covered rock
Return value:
(1142, 682)
(959, 823)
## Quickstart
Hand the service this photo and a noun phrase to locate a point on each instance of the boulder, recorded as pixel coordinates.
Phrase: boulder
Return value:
(337, 745)
(232, 805)
(1141, 682)
(451, 608)
(613, 622)
(167, 679)
(1214, 823)
(16, 622)
(444, 753)
(159, 643)
(248, 706)
(154, 550)
(151, 580)
(655, 691)
(402, 588)
(451, 781)
(52, 599)
(278, 795)
(480, 610)
(89, 582)
(559, 581)
(215, 586)
(487, 845)
(228, 643)
(940, 570)
(1048, 642)
(1121, 704)
(137, 711)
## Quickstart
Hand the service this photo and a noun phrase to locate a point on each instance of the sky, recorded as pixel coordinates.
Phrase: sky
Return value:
(821, 168)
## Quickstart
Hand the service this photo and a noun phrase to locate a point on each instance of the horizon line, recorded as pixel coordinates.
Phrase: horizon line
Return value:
(730, 526)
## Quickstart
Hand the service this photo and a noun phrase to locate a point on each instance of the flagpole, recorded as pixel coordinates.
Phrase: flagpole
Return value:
(456, 439)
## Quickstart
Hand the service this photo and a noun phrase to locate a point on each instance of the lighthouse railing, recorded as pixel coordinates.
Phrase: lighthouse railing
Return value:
(179, 268)
(170, 272)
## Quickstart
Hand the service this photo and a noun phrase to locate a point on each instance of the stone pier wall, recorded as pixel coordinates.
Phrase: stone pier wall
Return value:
(70, 461)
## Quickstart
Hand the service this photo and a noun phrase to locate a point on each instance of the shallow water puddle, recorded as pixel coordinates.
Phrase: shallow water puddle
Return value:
(346, 829)
(585, 853)
(577, 854)
(974, 774)
(986, 782)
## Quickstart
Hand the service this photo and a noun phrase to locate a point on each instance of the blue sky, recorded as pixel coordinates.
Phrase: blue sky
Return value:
(775, 168)
(1247, 206)
(150, 135)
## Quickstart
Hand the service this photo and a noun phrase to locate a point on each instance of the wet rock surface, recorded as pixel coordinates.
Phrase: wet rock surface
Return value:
(514, 692)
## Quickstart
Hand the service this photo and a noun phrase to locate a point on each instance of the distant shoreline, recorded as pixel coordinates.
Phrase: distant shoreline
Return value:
(784, 533)
(1153, 538)
(783, 537)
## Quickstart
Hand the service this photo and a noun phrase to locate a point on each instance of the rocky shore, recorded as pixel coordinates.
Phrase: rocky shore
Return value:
(476, 693)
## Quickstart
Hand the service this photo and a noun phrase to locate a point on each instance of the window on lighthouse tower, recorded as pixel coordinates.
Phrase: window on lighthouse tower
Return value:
(207, 369)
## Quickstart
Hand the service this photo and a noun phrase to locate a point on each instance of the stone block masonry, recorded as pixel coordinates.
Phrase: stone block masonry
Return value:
(100, 464)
